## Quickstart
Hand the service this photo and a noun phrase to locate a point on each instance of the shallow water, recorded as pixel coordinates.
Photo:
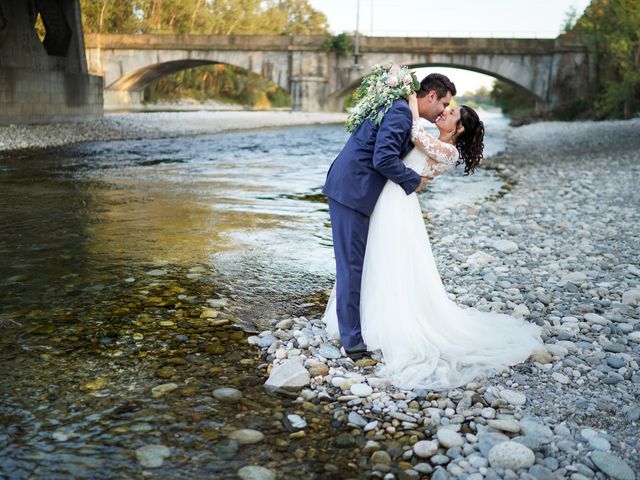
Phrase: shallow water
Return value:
(112, 253)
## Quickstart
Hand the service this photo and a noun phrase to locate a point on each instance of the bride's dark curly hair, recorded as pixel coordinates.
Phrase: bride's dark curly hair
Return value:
(470, 143)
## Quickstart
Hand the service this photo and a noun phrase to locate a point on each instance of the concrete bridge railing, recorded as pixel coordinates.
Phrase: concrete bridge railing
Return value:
(553, 71)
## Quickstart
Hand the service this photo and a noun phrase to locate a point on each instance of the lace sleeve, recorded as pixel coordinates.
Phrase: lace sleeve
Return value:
(441, 156)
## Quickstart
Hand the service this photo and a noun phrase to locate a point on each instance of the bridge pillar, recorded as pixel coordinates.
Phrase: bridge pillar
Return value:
(45, 81)
(308, 94)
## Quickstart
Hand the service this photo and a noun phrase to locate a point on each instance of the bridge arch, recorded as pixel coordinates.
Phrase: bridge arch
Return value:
(128, 73)
(336, 98)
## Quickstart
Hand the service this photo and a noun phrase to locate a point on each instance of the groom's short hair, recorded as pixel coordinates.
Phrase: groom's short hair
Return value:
(438, 82)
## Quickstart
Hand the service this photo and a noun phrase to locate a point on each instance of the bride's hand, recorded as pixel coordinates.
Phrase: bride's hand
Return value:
(413, 105)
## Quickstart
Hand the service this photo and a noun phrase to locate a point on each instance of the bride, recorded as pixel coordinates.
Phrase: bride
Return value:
(428, 341)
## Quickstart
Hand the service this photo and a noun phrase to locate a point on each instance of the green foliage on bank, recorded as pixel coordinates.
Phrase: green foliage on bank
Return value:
(222, 83)
(512, 100)
(481, 98)
(611, 31)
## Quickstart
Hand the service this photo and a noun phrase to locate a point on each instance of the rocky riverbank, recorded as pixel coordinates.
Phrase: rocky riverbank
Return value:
(152, 125)
(558, 246)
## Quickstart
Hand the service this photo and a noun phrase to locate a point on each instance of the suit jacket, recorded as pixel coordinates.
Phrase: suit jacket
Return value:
(372, 155)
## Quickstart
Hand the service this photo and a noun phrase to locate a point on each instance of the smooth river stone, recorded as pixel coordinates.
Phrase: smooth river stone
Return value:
(505, 246)
(538, 431)
(574, 277)
(246, 436)
(329, 351)
(297, 421)
(227, 394)
(513, 397)
(449, 439)
(425, 448)
(253, 472)
(152, 456)
(160, 390)
(613, 466)
(506, 425)
(361, 389)
(511, 455)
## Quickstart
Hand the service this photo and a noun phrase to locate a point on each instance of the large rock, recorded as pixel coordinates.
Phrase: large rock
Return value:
(511, 455)
(290, 376)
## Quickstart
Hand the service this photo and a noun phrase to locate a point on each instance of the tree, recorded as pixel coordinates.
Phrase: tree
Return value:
(512, 100)
(611, 31)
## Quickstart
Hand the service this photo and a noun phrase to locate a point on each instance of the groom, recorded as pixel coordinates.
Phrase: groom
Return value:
(372, 155)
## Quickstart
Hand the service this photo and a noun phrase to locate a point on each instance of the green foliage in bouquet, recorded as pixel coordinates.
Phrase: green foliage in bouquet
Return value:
(377, 92)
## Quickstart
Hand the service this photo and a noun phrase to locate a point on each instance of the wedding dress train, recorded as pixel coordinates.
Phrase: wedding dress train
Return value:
(426, 340)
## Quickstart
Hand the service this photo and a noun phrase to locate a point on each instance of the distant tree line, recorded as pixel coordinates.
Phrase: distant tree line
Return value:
(203, 17)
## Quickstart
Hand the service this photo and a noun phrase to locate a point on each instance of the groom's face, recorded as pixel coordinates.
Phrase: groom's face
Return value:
(431, 107)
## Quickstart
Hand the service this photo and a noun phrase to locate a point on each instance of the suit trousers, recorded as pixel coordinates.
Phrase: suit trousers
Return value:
(350, 229)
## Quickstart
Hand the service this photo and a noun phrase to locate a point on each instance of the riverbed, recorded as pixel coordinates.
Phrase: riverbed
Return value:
(132, 269)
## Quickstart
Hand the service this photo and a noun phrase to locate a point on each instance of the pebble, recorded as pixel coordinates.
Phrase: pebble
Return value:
(356, 419)
(448, 438)
(163, 389)
(297, 422)
(511, 455)
(425, 448)
(361, 389)
(289, 376)
(246, 436)
(329, 351)
(600, 443)
(538, 431)
(561, 378)
(380, 456)
(152, 456)
(252, 472)
(505, 246)
(227, 394)
(513, 397)
(506, 425)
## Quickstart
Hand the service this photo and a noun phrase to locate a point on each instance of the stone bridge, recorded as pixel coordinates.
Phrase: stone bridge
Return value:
(553, 71)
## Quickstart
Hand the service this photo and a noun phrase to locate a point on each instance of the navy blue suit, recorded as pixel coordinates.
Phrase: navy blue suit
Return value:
(372, 155)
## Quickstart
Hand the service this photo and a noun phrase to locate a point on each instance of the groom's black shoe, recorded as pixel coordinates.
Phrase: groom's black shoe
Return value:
(358, 352)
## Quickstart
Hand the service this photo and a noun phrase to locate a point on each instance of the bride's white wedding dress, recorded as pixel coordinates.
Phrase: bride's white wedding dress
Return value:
(427, 341)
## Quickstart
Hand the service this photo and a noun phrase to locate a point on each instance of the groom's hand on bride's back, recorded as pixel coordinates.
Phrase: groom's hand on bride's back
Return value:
(422, 184)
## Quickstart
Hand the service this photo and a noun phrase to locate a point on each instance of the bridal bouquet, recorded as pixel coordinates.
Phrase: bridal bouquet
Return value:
(377, 92)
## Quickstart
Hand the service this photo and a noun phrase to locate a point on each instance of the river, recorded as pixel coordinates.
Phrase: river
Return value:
(130, 264)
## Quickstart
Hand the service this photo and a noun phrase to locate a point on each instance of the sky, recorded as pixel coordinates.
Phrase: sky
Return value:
(461, 18)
